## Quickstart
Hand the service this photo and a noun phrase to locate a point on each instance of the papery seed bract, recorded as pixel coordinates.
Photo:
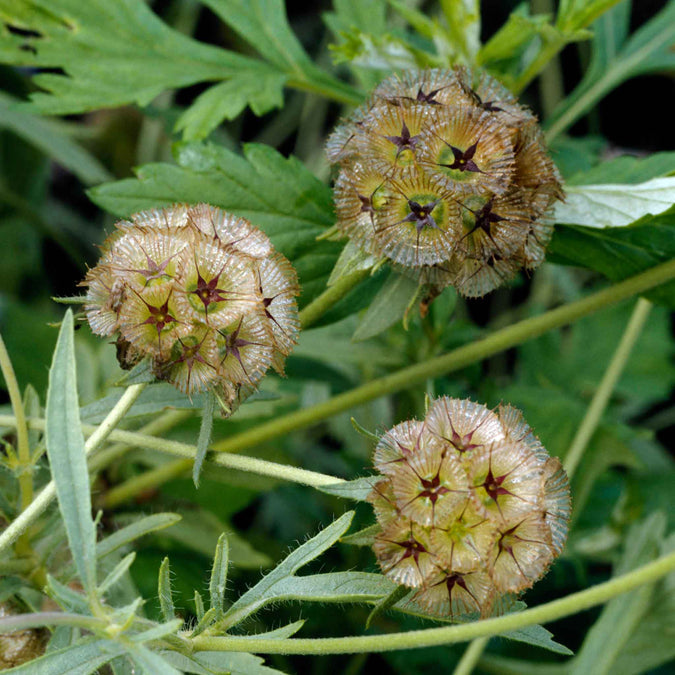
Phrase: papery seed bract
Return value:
(471, 506)
(201, 293)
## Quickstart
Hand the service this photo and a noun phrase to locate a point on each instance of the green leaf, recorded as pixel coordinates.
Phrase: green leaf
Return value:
(117, 573)
(199, 606)
(352, 259)
(575, 14)
(627, 169)
(357, 489)
(263, 24)
(204, 438)
(386, 603)
(67, 457)
(614, 205)
(620, 252)
(364, 537)
(151, 663)
(235, 663)
(218, 581)
(279, 633)
(51, 138)
(463, 27)
(622, 615)
(277, 194)
(112, 53)
(164, 591)
(388, 307)
(537, 636)
(614, 60)
(226, 100)
(134, 531)
(80, 659)
(257, 597)
(200, 531)
(651, 644)
(159, 631)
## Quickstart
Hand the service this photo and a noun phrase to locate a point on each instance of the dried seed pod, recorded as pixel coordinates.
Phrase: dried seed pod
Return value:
(201, 293)
(471, 506)
(444, 174)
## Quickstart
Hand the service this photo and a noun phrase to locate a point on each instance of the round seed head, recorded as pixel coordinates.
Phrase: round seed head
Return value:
(199, 292)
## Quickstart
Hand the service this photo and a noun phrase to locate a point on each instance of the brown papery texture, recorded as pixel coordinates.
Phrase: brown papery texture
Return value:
(471, 507)
(446, 175)
(200, 293)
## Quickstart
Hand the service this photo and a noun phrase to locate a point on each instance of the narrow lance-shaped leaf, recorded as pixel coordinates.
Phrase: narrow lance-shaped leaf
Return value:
(257, 596)
(164, 591)
(67, 457)
(80, 659)
(117, 572)
(219, 575)
(149, 662)
(204, 438)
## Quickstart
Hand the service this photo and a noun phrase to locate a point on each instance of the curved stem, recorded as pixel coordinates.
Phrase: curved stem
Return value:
(320, 305)
(607, 385)
(551, 611)
(502, 339)
(98, 434)
(470, 657)
(23, 446)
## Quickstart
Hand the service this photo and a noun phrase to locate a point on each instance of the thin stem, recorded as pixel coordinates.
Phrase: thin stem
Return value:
(320, 305)
(551, 611)
(470, 657)
(98, 434)
(17, 622)
(328, 87)
(158, 426)
(408, 377)
(604, 391)
(23, 446)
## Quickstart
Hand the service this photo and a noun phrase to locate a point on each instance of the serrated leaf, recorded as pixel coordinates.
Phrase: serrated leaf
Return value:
(614, 205)
(79, 659)
(50, 138)
(615, 60)
(620, 252)
(204, 438)
(226, 100)
(357, 489)
(388, 307)
(67, 456)
(257, 596)
(112, 53)
(275, 193)
(218, 581)
(164, 591)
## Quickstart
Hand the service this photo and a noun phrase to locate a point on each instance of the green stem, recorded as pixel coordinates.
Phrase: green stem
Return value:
(17, 622)
(551, 611)
(604, 391)
(470, 657)
(98, 434)
(328, 87)
(23, 446)
(408, 377)
(320, 305)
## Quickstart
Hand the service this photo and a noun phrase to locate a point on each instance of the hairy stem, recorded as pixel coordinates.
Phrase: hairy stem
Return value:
(407, 377)
(18, 526)
(607, 385)
(551, 611)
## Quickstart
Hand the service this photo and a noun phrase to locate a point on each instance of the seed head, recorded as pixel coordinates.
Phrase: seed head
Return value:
(199, 292)
(471, 506)
(443, 173)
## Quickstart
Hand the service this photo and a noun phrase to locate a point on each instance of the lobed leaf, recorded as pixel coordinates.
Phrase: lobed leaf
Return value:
(275, 193)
